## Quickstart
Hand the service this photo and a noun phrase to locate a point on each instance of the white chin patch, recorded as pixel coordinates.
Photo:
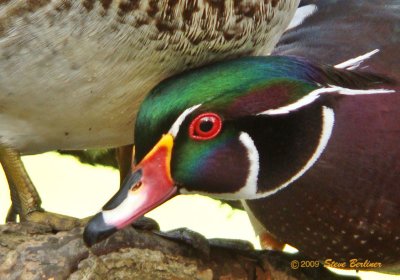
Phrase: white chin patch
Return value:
(125, 211)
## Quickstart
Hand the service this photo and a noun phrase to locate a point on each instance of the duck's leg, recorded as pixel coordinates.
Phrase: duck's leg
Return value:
(125, 155)
(267, 240)
(25, 199)
(12, 213)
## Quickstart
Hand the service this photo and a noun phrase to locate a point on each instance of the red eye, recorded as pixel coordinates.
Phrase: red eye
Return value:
(205, 126)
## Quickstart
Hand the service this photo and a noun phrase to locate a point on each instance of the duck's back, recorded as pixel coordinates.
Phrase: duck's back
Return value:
(72, 73)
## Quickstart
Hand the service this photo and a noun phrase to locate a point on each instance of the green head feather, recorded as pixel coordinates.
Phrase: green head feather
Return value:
(218, 87)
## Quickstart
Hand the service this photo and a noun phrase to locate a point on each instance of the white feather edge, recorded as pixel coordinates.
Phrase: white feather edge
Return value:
(350, 64)
(177, 124)
(301, 14)
(354, 63)
(328, 121)
(315, 94)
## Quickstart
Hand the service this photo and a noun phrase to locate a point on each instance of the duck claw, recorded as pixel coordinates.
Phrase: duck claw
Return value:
(203, 245)
(231, 244)
(145, 223)
(56, 222)
(184, 235)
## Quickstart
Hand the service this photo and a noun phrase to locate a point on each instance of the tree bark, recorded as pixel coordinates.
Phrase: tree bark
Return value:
(31, 251)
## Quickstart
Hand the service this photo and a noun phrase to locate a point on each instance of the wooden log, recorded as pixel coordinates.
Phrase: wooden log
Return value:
(31, 251)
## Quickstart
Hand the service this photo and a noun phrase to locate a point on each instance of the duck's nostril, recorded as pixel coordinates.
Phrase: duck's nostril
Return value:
(136, 186)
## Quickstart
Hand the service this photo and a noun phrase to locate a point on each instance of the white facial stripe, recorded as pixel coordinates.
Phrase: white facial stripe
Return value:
(308, 99)
(354, 63)
(301, 14)
(349, 91)
(315, 94)
(177, 124)
(249, 190)
(328, 120)
(250, 187)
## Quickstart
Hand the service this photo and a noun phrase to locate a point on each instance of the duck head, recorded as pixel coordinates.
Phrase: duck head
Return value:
(241, 129)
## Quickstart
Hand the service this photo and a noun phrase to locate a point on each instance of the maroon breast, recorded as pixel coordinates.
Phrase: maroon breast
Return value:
(348, 204)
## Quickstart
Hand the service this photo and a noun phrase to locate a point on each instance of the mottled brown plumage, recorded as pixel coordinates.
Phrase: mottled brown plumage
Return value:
(90, 59)
(73, 73)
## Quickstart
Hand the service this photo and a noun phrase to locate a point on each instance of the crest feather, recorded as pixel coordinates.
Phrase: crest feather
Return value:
(347, 81)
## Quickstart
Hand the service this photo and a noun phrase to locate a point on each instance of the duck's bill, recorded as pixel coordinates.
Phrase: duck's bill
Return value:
(149, 185)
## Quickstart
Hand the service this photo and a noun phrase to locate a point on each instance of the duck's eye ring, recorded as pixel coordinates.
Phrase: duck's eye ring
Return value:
(205, 126)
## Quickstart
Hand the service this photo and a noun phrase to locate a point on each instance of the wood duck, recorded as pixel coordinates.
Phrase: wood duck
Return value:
(73, 73)
(312, 150)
